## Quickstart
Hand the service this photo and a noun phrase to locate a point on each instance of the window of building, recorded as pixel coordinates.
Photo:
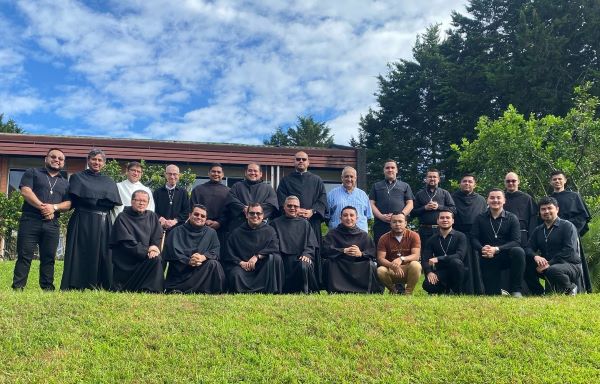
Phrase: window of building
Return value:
(14, 179)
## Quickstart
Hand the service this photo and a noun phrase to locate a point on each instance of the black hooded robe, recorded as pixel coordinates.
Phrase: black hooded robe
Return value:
(348, 274)
(245, 242)
(132, 234)
(296, 238)
(182, 242)
(245, 192)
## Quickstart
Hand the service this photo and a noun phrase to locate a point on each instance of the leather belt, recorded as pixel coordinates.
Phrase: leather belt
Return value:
(101, 213)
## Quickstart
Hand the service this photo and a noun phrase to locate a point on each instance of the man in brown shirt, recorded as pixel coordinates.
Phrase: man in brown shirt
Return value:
(398, 254)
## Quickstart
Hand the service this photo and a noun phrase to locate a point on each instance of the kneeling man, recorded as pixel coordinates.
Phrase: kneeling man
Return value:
(135, 241)
(554, 248)
(398, 254)
(253, 262)
(443, 256)
(297, 245)
(192, 251)
(349, 255)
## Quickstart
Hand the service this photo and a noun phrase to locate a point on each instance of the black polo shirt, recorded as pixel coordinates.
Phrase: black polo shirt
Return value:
(503, 232)
(558, 244)
(454, 246)
(391, 197)
(41, 183)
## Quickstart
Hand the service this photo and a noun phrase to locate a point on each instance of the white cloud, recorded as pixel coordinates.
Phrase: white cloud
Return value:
(218, 70)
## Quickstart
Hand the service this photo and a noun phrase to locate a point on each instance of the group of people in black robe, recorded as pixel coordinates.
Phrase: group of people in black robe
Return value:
(251, 238)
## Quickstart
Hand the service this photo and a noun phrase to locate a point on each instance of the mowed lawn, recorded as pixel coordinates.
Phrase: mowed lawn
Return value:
(102, 337)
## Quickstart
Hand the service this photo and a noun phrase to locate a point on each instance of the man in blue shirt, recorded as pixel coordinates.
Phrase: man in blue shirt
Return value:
(348, 195)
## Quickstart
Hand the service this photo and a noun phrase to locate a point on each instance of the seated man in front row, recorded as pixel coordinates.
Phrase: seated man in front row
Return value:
(349, 255)
(135, 238)
(443, 256)
(297, 245)
(554, 248)
(398, 254)
(253, 262)
(192, 250)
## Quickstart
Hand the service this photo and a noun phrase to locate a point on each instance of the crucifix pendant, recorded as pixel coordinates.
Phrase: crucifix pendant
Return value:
(51, 192)
(170, 203)
(496, 236)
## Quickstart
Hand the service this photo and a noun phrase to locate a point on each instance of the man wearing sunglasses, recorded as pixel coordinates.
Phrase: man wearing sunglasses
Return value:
(253, 263)
(192, 250)
(310, 190)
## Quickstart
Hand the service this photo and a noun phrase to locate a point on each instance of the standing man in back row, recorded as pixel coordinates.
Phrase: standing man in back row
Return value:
(388, 196)
(429, 201)
(172, 202)
(44, 191)
(310, 190)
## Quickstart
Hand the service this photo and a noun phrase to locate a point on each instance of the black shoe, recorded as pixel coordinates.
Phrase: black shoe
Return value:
(571, 291)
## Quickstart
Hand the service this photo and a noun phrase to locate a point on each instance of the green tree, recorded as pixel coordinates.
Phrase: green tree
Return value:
(153, 174)
(306, 133)
(10, 126)
(10, 213)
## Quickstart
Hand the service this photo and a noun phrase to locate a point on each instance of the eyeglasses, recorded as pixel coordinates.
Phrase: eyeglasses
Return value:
(301, 158)
(133, 170)
(201, 215)
(292, 206)
(510, 181)
(251, 213)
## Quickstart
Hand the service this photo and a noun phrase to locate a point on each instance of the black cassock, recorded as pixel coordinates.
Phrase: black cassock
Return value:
(571, 207)
(182, 242)
(309, 188)
(522, 205)
(468, 207)
(88, 261)
(296, 238)
(173, 204)
(245, 242)
(348, 274)
(213, 195)
(132, 234)
(245, 192)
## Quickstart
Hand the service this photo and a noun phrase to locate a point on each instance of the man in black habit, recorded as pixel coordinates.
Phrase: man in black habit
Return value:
(429, 201)
(135, 241)
(349, 258)
(297, 244)
(213, 195)
(443, 257)
(496, 236)
(253, 263)
(388, 196)
(251, 189)
(313, 199)
(44, 191)
(554, 250)
(522, 205)
(192, 250)
(469, 204)
(88, 262)
(172, 202)
(573, 209)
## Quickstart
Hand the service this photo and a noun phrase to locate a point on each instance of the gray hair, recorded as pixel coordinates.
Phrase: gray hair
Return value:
(95, 152)
(140, 191)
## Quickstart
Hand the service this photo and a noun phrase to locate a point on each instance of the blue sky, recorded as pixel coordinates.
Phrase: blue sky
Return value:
(211, 71)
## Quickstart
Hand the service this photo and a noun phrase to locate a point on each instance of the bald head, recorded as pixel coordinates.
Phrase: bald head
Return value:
(349, 178)
(301, 161)
(511, 182)
(172, 175)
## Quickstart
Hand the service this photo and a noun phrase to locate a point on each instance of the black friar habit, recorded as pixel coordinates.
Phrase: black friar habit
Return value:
(132, 234)
(245, 192)
(213, 195)
(349, 274)
(571, 207)
(296, 238)
(522, 205)
(245, 242)
(182, 242)
(175, 205)
(88, 262)
(468, 207)
(310, 190)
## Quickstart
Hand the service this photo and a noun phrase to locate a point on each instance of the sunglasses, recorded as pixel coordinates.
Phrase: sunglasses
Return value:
(251, 213)
(301, 158)
(510, 181)
(292, 206)
(201, 215)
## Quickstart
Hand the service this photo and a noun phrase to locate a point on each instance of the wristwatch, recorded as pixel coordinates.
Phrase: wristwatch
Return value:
(402, 259)
(55, 207)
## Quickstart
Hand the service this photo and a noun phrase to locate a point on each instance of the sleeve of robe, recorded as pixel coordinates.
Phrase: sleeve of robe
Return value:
(515, 233)
(320, 205)
(448, 203)
(122, 238)
(580, 221)
(282, 193)
(214, 247)
(270, 206)
(460, 251)
(311, 244)
(330, 251)
(185, 207)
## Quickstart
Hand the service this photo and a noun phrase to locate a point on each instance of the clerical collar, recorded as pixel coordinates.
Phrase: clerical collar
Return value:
(302, 173)
(170, 188)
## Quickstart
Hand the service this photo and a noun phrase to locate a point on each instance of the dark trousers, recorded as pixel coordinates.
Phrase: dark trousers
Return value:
(450, 275)
(32, 232)
(532, 278)
(512, 259)
(562, 277)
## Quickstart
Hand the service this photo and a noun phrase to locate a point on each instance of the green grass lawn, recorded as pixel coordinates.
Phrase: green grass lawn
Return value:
(103, 337)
